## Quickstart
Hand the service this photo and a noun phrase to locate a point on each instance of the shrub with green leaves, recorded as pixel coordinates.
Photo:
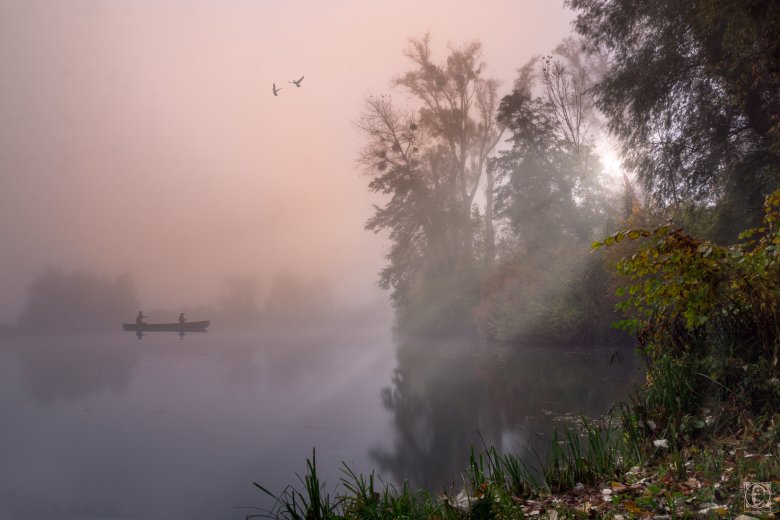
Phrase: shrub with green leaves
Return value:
(716, 308)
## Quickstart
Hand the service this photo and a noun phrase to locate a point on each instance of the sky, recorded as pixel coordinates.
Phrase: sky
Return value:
(143, 137)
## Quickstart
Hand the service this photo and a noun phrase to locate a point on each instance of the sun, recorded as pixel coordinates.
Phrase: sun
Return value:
(612, 166)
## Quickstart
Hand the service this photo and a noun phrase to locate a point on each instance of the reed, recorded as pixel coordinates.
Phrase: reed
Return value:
(310, 504)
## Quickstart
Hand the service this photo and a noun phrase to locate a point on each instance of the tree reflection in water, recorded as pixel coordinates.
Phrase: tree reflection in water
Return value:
(444, 395)
(67, 368)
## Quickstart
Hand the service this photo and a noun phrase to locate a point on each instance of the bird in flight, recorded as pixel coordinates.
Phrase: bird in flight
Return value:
(276, 90)
(296, 82)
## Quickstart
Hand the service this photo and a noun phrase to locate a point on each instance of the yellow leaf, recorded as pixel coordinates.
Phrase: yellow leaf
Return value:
(632, 507)
(617, 486)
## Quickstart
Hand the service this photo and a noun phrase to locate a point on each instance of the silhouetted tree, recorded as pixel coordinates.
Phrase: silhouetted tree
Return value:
(292, 298)
(551, 178)
(431, 160)
(239, 305)
(77, 302)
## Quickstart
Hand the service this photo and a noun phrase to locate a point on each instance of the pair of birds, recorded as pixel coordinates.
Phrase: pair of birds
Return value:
(296, 82)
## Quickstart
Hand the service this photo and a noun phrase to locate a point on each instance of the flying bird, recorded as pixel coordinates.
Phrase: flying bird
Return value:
(276, 90)
(297, 82)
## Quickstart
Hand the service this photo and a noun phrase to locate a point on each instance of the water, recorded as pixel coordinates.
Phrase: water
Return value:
(168, 427)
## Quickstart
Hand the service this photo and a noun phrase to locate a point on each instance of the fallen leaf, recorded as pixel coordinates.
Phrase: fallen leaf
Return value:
(632, 507)
(617, 486)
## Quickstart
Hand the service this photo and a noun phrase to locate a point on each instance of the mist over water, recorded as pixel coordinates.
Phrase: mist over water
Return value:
(145, 138)
(147, 165)
(110, 426)
(107, 426)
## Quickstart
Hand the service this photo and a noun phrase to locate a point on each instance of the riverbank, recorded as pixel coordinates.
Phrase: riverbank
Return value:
(700, 439)
(726, 475)
(721, 477)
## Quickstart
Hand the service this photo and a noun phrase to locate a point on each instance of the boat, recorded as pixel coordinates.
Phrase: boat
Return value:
(187, 326)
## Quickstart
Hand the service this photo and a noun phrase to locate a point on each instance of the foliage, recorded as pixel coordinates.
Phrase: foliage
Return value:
(707, 316)
(553, 201)
(77, 302)
(691, 92)
(313, 503)
(551, 188)
(530, 298)
(431, 161)
(583, 459)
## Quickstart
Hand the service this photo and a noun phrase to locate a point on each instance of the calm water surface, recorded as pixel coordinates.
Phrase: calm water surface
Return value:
(165, 427)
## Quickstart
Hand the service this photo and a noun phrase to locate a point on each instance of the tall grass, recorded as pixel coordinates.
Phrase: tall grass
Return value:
(584, 455)
(587, 452)
(310, 504)
(367, 499)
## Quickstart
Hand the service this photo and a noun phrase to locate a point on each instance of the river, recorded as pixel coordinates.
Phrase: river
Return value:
(168, 427)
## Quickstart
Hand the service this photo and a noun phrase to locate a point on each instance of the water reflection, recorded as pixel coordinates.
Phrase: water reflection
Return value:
(161, 428)
(140, 334)
(168, 429)
(66, 368)
(444, 395)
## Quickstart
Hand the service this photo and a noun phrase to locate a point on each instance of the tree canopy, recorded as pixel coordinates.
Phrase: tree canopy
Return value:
(692, 93)
(430, 160)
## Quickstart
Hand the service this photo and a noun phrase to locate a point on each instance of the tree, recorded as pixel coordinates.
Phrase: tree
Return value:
(292, 298)
(77, 302)
(554, 201)
(551, 186)
(239, 303)
(430, 160)
(692, 92)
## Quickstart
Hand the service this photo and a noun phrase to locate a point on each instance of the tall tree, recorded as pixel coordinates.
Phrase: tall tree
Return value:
(554, 200)
(431, 160)
(693, 92)
(550, 178)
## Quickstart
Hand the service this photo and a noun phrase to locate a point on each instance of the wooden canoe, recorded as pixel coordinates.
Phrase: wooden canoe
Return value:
(187, 326)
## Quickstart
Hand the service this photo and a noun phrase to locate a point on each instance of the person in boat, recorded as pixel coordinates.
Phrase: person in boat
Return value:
(182, 319)
(140, 318)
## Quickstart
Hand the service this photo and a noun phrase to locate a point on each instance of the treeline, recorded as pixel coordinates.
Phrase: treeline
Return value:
(81, 301)
(493, 202)
(78, 301)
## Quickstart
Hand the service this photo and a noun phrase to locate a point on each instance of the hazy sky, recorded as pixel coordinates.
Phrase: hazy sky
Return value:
(143, 137)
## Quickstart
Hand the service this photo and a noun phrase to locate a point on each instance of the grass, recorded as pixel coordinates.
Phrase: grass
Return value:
(667, 452)
(310, 504)
(594, 469)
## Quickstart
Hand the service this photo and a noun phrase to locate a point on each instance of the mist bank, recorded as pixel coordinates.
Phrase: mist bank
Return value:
(80, 301)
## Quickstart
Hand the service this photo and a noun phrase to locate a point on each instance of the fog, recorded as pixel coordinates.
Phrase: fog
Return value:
(144, 138)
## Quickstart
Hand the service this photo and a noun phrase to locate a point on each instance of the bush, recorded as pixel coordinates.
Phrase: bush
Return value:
(708, 312)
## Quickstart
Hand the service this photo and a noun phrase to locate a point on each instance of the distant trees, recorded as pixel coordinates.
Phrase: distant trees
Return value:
(293, 299)
(692, 93)
(431, 160)
(77, 302)
(290, 298)
(239, 305)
